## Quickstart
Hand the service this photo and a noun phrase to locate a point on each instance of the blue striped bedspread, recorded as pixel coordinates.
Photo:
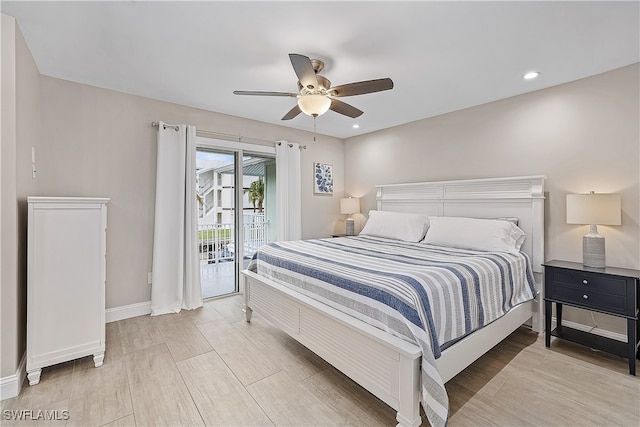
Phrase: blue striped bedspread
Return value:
(425, 294)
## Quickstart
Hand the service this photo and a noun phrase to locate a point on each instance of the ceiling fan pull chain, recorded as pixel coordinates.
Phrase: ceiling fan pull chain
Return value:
(314, 127)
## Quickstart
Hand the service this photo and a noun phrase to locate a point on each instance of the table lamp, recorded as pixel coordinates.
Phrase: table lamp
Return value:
(349, 206)
(593, 209)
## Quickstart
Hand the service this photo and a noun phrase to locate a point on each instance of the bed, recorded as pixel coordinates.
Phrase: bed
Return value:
(396, 369)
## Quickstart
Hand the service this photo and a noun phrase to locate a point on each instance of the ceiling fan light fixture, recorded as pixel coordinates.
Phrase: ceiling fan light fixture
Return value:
(316, 94)
(314, 105)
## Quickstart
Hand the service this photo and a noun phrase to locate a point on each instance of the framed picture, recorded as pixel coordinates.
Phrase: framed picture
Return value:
(322, 178)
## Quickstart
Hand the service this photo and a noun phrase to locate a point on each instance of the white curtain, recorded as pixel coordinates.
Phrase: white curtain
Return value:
(288, 203)
(176, 269)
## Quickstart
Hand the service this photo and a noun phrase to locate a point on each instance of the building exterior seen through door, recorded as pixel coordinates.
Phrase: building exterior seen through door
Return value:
(226, 212)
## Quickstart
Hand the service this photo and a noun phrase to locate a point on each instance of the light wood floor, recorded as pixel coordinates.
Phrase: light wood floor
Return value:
(209, 367)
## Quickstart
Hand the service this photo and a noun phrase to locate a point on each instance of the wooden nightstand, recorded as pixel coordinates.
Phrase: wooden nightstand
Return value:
(609, 290)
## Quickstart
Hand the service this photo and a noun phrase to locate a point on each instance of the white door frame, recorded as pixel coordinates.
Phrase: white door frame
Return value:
(239, 149)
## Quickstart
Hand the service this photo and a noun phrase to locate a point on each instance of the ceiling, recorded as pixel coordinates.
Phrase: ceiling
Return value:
(442, 56)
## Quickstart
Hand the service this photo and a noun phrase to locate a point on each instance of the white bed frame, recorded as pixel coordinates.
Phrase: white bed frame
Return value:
(383, 364)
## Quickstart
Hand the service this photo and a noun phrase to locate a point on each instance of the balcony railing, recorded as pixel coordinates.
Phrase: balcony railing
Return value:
(216, 242)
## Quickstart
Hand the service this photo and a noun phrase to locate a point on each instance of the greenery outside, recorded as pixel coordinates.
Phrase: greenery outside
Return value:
(256, 193)
(223, 233)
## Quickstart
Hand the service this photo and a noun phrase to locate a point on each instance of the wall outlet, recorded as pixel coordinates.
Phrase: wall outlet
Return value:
(149, 278)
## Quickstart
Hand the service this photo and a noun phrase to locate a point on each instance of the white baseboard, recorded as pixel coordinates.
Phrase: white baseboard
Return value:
(586, 328)
(127, 311)
(10, 386)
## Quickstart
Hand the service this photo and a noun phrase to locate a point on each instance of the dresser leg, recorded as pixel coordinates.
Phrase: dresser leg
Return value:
(632, 339)
(98, 358)
(34, 376)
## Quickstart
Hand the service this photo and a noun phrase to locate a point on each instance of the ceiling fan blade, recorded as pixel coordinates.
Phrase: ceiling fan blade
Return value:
(360, 88)
(304, 70)
(250, 92)
(292, 113)
(344, 108)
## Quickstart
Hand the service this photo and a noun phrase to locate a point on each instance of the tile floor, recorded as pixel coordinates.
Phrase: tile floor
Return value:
(210, 367)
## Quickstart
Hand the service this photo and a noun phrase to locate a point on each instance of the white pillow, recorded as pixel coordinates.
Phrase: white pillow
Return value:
(396, 225)
(477, 234)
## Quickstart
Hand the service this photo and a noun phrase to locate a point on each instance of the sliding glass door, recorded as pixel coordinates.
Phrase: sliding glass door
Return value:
(236, 210)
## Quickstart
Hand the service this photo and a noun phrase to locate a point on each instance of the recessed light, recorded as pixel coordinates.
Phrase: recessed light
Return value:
(531, 75)
(356, 126)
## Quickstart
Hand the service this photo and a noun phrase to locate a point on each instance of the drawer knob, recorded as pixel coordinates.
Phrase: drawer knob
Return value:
(585, 281)
(585, 296)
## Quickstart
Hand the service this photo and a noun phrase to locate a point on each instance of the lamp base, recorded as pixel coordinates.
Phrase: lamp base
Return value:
(593, 251)
(349, 227)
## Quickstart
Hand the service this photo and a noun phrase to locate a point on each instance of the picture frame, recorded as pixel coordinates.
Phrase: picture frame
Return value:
(322, 178)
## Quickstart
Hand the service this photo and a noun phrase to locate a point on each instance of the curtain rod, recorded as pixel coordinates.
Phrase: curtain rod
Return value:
(302, 147)
(238, 138)
(156, 124)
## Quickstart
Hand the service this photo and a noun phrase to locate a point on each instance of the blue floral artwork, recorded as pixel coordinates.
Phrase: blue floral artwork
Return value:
(323, 178)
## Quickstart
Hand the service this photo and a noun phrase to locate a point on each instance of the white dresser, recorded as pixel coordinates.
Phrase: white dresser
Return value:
(66, 273)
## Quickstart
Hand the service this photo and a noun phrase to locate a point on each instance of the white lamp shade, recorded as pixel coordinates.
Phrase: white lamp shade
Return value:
(598, 209)
(350, 205)
(314, 105)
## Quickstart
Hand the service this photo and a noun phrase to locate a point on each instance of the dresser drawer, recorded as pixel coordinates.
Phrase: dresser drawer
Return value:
(586, 281)
(589, 298)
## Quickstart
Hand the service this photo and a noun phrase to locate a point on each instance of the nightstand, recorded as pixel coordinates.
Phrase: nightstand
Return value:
(608, 290)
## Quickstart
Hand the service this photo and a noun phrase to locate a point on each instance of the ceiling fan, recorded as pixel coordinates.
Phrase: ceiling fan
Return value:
(316, 95)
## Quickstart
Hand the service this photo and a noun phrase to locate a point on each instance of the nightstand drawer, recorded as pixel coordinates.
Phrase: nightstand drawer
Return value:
(589, 298)
(586, 281)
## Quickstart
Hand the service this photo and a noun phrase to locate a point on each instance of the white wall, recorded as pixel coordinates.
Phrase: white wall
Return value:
(582, 135)
(97, 142)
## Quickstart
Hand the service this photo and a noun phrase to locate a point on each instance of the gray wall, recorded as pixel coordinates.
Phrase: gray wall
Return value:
(582, 135)
(97, 142)
(20, 132)
(8, 220)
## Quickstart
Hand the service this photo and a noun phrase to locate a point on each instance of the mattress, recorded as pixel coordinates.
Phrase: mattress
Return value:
(426, 294)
